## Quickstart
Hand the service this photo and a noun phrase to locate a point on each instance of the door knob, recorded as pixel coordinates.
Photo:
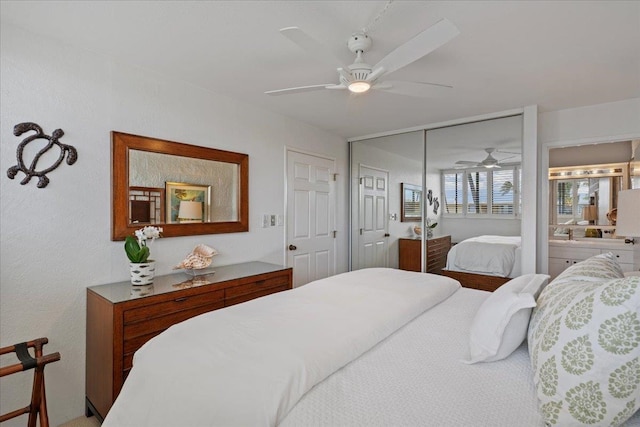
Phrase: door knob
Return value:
(292, 247)
(387, 234)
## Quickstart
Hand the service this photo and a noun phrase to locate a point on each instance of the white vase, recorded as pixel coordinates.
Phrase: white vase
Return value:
(142, 272)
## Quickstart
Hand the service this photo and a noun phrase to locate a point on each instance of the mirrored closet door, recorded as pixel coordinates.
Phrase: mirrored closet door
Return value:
(415, 194)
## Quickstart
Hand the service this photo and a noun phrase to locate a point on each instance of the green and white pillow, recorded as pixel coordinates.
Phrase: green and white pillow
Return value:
(584, 344)
(596, 268)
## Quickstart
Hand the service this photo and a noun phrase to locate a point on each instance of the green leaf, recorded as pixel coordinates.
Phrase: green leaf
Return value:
(134, 252)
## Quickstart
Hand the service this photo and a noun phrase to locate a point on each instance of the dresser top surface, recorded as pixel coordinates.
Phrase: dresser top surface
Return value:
(420, 237)
(125, 291)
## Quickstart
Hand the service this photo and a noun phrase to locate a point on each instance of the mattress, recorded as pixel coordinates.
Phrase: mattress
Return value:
(490, 255)
(416, 378)
(250, 363)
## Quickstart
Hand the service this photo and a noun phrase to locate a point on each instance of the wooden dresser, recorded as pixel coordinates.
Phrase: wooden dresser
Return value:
(122, 317)
(410, 253)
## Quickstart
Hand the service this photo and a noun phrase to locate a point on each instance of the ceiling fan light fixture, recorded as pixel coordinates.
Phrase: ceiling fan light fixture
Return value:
(359, 86)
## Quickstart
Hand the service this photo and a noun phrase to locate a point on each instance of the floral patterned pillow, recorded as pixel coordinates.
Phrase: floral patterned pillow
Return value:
(595, 268)
(584, 344)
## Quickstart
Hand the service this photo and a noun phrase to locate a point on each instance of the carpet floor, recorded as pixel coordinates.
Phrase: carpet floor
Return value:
(82, 422)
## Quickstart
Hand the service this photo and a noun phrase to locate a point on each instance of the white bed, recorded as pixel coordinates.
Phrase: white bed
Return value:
(487, 255)
(371, 347)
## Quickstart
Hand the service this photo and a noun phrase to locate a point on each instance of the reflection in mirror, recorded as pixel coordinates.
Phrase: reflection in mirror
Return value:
(411, 207)
(634, 173)
(186, 189)
(185, 185)
(378, 167)
(585, 195)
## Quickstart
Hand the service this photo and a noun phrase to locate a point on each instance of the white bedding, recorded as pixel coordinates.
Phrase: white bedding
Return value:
(249, 364)
(491, 255)
(416, 378)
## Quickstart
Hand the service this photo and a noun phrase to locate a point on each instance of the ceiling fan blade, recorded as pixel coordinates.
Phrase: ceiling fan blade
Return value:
(466, 162)
(310, 45)
(417, 89)
(377, 72)
(344, 74)
(422, 44)
(299, 89)
(507, 158)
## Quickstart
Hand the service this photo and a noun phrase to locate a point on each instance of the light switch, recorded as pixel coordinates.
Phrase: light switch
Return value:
(273, 220)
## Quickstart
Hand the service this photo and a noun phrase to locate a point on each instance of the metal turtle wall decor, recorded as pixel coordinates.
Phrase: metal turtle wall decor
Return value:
(65, 150)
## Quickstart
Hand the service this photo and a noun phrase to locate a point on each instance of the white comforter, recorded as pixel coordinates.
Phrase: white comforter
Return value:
(249, 364)
(492, 255)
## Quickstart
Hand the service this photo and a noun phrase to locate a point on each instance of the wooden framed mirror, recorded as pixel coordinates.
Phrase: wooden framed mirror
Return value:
(411, 202)
(185, 189)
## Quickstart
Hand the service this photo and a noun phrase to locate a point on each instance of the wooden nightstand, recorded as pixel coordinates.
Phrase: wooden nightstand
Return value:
(122, 317)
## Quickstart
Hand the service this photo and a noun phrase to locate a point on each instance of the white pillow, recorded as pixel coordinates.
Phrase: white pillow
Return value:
(501, 323)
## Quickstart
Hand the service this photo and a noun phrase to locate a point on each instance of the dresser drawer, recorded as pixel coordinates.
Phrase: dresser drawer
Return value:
(150, 311)
(248, 297)
(161, 320)
(257, 286)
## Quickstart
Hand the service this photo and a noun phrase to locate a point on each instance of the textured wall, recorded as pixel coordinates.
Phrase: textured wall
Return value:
(56, 241)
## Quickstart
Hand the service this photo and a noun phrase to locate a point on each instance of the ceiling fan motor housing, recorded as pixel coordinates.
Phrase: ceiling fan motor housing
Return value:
(359, 42)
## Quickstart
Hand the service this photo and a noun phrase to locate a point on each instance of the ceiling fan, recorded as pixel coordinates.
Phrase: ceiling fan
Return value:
(360, 77)
(489, 161)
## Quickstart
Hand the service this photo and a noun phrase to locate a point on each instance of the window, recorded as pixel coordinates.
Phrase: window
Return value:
(453, 192)
(477, 192)
(482, 192)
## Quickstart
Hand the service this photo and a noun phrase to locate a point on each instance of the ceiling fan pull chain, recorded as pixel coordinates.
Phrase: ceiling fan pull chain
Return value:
(371, 26)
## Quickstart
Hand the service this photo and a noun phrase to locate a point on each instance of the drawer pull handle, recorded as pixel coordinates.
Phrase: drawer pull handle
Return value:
(180, 299)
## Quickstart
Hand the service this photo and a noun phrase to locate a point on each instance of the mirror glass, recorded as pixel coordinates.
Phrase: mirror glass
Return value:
(411, 207)
(634, 172)
(582, 196)
(398, 190)
(185, 183)
(186, 189)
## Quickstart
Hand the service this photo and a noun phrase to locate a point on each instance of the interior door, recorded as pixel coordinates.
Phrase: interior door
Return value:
(373, 233)
(310, 217)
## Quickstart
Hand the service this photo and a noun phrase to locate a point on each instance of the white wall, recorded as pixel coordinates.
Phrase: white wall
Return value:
(591, 154)
(56, 240)
(613, 121)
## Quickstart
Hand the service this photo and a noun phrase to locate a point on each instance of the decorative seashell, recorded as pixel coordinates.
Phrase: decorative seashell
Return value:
(199, 258)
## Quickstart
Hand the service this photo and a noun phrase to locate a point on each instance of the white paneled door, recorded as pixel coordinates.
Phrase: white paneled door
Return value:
(373, 230)
(311, 235)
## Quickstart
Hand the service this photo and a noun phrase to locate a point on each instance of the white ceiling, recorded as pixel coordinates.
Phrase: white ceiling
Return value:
(556, 54)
